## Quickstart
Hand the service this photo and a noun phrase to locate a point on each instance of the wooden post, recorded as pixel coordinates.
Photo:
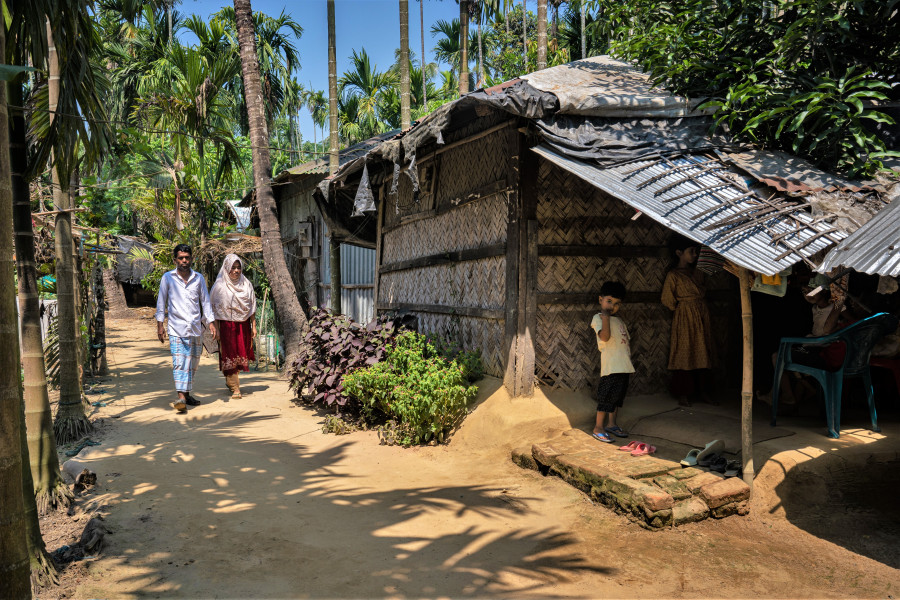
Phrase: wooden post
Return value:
(334, 245)
(528, 232)
(379, 248)
(511, 315)
(747, 379)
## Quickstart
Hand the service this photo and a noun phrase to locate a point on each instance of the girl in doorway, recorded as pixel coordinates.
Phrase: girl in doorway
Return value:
(690, 349)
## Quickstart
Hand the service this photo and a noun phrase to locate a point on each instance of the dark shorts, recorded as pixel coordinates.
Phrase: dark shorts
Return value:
(611, 391)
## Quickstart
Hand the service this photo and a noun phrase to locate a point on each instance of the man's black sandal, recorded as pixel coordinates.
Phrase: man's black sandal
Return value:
(188, 399)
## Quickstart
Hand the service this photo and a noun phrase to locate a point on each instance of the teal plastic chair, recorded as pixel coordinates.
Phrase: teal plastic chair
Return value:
(859, 339)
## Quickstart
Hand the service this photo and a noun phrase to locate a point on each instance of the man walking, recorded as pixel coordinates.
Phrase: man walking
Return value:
(183, 293)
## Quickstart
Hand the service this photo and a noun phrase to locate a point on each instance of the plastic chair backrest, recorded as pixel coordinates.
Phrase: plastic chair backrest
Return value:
(861, 337)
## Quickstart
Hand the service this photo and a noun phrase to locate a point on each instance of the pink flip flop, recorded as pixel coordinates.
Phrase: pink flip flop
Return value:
(643, 449)
(632, 445)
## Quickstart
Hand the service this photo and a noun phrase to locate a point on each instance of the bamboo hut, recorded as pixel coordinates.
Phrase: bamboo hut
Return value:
(500, 215)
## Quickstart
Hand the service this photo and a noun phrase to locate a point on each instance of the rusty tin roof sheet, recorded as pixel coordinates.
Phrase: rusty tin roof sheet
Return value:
(874, 248)
(686, 197)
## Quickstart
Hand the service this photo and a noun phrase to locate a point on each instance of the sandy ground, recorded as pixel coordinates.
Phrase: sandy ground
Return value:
(247, 498)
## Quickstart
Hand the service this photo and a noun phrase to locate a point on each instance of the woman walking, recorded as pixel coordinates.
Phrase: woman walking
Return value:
(234, 307)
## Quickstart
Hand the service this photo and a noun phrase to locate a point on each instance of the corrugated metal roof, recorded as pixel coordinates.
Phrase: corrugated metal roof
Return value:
(320, 165)
(874, 248)
(601, 86)
(701, 198)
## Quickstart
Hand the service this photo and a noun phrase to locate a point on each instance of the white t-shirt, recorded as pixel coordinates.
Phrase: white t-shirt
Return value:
(615, 354)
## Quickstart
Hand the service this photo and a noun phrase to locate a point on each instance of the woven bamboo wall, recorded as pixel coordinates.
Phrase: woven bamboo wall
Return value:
(472, 333)
(473, 225)
(571, 212)
(452, 222)
(472, 283)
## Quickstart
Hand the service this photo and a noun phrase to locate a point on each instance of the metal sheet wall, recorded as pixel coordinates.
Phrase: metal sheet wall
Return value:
(357, 280)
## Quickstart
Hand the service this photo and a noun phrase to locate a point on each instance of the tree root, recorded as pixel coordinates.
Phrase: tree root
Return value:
(71, 428)
(43, 570)
(49, 500)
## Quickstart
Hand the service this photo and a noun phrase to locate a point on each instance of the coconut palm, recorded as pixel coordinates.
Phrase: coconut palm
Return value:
(287, 306)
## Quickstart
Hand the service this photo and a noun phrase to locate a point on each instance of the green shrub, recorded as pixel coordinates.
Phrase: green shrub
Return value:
(422, 394)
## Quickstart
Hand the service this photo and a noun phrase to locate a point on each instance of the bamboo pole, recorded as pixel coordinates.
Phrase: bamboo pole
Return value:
(747, 379)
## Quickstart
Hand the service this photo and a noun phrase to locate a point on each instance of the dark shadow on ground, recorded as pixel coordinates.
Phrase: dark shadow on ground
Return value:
(326, 521)
(851, 504)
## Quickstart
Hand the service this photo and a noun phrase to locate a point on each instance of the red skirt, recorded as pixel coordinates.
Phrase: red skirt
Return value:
(235, 346)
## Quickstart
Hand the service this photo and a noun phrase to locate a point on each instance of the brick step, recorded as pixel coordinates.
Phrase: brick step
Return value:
(654, 492)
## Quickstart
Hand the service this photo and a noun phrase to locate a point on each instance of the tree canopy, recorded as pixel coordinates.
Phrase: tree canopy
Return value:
(804, 76)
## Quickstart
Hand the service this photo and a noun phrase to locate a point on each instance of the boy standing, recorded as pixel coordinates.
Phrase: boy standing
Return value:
(615, 361)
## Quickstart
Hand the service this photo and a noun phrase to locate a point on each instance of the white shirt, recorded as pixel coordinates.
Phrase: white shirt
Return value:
(184, 302)
(615, 353)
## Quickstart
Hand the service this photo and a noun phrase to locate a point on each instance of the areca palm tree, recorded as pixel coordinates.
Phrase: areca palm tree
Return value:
(76, 93)
(196, 109)
(13, 549)
(541, 34)
(463, 47)
(276, 51)
(447, 48)
(317, 105)
(404, 65)
(129, 50)
(367, 82)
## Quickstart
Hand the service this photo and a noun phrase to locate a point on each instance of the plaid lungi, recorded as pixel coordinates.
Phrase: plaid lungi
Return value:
(185, 358)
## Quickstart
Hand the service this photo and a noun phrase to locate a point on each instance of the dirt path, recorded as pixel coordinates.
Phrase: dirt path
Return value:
(248, 498)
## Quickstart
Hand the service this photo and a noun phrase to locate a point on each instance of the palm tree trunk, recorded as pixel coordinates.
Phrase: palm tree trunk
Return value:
(405, 116)
(463, 47)
(541, 34)
(525, 35)
(480, 56)
(423, 61)
(287, 306)
(334, 158)
(71, 422)
(583, 36)
(43, 569)
(100, 366)
(14, 559)
(554, 29)
(50, 489)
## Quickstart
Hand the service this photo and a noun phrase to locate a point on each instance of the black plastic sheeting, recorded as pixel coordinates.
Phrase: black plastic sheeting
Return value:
(605, 140)
(611, 140)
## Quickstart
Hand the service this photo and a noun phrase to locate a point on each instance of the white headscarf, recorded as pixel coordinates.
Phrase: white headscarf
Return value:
(232, 301)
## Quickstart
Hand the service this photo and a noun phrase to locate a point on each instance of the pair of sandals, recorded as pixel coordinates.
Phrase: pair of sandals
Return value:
(711, 457)
(720, 464)
(637, 448)
(604, 436)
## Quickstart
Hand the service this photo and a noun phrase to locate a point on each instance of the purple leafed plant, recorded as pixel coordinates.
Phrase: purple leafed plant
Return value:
(336, 345)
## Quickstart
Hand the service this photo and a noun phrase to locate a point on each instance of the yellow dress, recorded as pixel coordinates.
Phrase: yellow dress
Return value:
(683, 292)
